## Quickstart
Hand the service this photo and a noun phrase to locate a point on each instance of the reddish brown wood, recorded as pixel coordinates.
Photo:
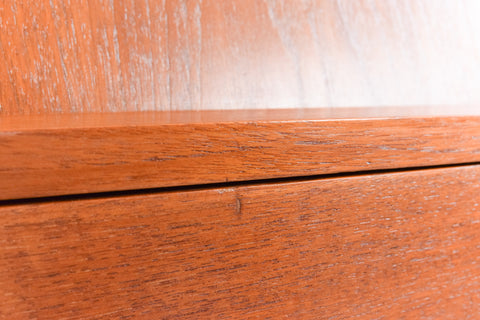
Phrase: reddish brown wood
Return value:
(81, 56)
(59, 155)
(401, 245)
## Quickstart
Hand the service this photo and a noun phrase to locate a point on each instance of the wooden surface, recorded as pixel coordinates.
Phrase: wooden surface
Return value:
(80, 56)
(394, 246)
(96, 153)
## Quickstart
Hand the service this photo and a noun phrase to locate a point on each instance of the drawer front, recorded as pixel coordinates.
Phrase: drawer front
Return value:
(397, 245)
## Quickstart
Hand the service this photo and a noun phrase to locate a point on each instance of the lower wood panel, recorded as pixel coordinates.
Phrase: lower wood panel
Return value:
(400, 245)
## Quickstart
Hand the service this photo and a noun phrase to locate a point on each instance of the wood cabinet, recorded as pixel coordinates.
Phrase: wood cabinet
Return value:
(238, 159)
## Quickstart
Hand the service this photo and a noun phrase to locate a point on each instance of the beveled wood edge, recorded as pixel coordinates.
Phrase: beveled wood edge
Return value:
(43, 156)
(189, 117)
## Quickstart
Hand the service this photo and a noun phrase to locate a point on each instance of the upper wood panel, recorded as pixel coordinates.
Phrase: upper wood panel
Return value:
(71, 154)
(390, 246)
(61, 56)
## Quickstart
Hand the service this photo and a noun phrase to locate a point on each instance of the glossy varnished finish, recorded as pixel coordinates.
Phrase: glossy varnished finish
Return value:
(394, 246)
(98, 153)
(61, 56)
(371, 245)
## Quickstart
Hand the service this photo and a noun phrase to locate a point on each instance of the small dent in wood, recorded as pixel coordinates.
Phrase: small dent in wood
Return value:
(238, 208)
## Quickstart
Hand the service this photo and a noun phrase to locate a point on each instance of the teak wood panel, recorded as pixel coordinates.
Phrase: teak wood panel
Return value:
(61, 56)
(75, 154)
(395, 246)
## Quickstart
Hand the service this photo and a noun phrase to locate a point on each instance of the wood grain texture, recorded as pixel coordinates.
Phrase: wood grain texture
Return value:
(402, 245)
(96, 153)
(81, 56)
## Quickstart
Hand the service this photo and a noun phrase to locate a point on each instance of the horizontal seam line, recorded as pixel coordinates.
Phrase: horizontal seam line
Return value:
(223, 185)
